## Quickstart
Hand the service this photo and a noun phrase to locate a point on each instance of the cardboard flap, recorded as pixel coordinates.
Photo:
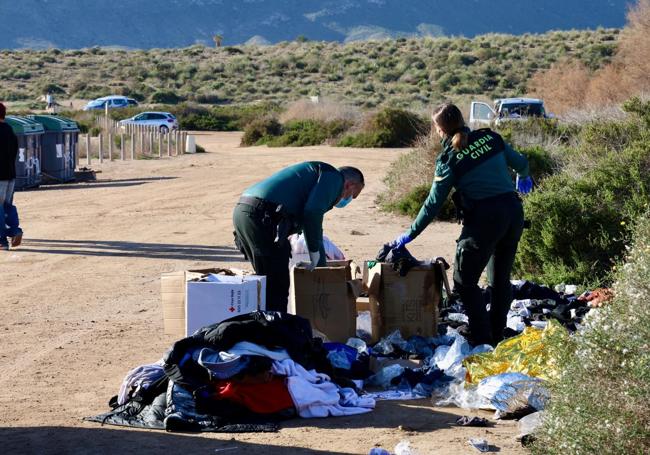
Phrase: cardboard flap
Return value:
(374, 280)
(354, 288)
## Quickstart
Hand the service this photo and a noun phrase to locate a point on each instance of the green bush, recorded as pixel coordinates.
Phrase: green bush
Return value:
(388, 128)
(411, 203)
(600, 403)
(580, 223)
(165, 97)
(542, 164)
(301, 133)
(259, 129)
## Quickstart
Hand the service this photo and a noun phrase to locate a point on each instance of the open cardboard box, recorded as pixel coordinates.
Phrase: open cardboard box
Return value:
(327, 297)
(408, 303)
(189, 304)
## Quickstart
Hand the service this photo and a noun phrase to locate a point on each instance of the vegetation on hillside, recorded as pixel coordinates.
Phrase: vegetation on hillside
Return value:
(572, 84)
(400, 73)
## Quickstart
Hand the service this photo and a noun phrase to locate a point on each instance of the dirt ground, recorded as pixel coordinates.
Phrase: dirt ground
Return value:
(81, 302)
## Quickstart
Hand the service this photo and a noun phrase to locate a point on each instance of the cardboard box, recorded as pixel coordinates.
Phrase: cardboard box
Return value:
(174, 297)
(327, 297)
(208, 302)
(408, 303)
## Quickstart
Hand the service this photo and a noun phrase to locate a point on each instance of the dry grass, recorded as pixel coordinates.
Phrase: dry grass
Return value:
(569, 85)
(324, 110)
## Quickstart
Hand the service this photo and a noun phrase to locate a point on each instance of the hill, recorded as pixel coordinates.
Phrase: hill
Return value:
(402, 72)
(179, 23)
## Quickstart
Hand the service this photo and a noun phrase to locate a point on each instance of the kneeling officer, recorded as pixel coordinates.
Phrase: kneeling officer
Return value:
(294, 199)
(476, 163)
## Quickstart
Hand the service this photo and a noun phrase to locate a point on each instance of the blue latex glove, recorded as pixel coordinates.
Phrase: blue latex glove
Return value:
(400, 241)
(524, 185)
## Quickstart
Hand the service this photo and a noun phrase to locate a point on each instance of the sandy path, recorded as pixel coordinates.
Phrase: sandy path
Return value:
(81, 301)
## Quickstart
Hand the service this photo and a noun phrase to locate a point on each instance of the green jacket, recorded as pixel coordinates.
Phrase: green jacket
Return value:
(479, 171)
(306, 191)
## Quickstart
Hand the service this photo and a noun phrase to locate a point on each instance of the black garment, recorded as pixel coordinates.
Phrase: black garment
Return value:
(8, 152)
(533, 291)
(401, 259)
(491, 232)
(255, 236)
(269, 329)
(175, 409)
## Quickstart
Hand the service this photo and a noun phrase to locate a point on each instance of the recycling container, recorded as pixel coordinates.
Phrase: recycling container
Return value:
(60, 140)
(30, 143)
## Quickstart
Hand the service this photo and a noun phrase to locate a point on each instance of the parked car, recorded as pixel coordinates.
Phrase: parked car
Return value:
(504, 110)
(112, 102)
(164, 121)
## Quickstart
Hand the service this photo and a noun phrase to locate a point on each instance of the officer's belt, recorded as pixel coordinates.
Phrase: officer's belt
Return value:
(258, 203)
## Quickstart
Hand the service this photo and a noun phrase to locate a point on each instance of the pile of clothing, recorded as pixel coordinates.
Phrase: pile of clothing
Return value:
(241, 375)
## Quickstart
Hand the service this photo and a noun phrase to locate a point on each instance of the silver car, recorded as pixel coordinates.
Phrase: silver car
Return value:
(163, 121)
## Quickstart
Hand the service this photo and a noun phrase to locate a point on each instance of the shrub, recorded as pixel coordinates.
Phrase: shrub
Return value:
(600, 405)
(411, 203)
(542, 164)
(301, 133)
(165, 97)
(260, 128)
(388, 128)
(580, 222)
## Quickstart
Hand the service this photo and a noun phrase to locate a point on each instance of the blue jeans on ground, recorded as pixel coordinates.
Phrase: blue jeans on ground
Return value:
(9, 223)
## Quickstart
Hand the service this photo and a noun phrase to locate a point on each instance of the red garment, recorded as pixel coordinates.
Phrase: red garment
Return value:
(261, 398)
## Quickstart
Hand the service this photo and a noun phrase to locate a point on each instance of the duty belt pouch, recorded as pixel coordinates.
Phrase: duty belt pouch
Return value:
(464, 206)
(282, 225)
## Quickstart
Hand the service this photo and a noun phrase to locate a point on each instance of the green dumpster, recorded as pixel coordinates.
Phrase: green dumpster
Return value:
(59, 147)
(30, 141)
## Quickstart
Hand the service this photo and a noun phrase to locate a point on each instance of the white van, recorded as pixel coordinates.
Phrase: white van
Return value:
(505, 109)
(112, 102)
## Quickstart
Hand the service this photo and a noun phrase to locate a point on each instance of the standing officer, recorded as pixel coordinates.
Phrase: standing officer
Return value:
(292, 200)
(476, 164)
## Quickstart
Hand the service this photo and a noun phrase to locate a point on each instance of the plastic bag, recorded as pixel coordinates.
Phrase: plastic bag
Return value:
(364, 325)
(341, 355)
(404, 448)
(394, 339)
(299, 246)
(358, 344)
(514, 394)
(534, 353)
(530, 423)
(383, 377)
(457, 352)
(464, 397)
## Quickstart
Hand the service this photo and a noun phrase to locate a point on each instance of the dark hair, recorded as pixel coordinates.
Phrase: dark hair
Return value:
(352, 174)
(3, 111)
(450, 120)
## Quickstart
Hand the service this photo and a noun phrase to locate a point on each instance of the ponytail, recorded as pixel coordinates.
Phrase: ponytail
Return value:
(460, 140)
(450, 120)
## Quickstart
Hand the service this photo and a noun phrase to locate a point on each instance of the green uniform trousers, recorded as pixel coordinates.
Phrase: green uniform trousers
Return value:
(491, 231)
(255, 232)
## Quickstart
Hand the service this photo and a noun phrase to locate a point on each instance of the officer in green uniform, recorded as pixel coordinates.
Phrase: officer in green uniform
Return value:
(294, 199)
(476, 164)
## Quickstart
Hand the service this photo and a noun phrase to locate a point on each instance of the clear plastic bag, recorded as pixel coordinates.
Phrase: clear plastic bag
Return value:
(385, 375)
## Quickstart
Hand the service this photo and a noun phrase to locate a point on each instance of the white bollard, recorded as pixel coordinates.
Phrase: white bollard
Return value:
(190, 144)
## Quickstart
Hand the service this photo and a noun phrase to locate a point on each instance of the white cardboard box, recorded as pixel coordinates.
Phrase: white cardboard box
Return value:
(224, 298)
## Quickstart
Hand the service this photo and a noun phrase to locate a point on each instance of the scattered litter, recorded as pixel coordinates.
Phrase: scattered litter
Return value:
(479, 444)
(378, 451)
(404, 448)
(472, 421)
(514, 395)
(530, 423)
